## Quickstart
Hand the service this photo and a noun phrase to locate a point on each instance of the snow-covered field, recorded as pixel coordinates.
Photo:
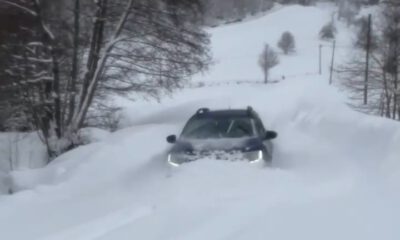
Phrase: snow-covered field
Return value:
(335, 175)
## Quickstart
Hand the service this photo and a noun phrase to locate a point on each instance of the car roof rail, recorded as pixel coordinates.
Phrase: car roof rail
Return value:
(202, 111)
(250, 110)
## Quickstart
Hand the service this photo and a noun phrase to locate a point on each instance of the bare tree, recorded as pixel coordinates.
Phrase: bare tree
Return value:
(348, 9)
(287, 43)
(267, 60)
(233, 10)
(383, 84)
(89, 50)
(391, 62)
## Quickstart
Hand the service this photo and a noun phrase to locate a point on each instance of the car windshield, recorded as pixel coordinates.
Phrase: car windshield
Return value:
(206, 128)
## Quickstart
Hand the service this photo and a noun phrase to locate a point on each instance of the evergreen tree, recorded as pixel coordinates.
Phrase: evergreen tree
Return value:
(287, 43)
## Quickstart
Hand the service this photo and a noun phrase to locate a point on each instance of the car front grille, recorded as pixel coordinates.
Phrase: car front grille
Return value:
(215, 155)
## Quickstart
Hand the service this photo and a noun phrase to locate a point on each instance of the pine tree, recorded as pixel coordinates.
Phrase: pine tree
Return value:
(328, 31)
(287, 43)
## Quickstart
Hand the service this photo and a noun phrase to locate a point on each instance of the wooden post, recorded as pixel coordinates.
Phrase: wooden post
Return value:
(320, 59)
(332, 62)
(367, 49)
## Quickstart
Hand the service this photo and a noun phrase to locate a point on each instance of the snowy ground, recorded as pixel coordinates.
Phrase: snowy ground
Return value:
(335, 173)
(19, 151)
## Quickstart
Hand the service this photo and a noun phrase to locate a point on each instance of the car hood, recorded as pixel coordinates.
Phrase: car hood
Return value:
(222, 144)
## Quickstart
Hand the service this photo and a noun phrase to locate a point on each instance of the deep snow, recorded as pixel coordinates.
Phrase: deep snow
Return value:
(335, 173)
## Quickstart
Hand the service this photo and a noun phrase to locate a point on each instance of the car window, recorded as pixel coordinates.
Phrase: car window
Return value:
(204, 128)
(259, 127)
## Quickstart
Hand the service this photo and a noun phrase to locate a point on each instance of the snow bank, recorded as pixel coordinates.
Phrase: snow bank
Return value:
(20, 151)
(4, 183)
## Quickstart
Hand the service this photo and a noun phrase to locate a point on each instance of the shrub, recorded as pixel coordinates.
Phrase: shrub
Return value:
(287, 43)
(328, 31)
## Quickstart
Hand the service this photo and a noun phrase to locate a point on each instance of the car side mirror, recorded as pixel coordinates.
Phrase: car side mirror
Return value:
(271, 135)
(171, 139)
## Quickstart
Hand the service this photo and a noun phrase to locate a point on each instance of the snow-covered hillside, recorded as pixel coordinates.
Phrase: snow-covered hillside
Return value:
(236, 47)
(335, 173)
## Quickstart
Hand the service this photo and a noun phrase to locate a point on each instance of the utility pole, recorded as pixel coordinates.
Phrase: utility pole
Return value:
(320, 59)
(333, 61)
(367, 49)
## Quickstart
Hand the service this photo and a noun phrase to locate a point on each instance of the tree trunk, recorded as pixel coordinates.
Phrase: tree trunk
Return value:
(74, 70)
(395, 97)
(100, 64)
(96, 44)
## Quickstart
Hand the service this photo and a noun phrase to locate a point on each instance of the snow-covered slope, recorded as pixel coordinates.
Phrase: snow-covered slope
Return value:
(335, 173)
(236, 47)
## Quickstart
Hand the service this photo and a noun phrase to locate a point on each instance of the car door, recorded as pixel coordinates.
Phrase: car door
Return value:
(262, 133)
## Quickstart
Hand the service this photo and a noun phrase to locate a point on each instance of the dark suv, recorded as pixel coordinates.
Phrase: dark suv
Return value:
(223, 134)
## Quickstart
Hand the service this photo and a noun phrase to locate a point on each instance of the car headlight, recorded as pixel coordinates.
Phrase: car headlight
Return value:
(254, 156)
(176, 159)
(172, 160)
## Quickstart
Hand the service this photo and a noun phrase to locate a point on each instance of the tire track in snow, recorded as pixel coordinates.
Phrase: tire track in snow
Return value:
(99, 227)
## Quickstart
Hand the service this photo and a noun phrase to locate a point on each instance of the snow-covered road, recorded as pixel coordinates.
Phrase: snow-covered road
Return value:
(334, 177)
